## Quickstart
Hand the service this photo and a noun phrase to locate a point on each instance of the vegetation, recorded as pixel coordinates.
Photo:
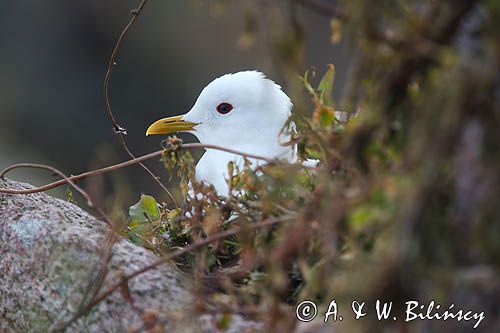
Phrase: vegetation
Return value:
(404, 201)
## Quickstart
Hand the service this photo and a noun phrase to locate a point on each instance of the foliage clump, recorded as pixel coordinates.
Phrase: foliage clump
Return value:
(405, 192)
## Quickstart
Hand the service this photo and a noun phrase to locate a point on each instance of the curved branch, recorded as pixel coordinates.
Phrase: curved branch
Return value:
(119, 166)
(65, 179)
(112, 63)
(120, 130)
(73, 178)
(189, 248)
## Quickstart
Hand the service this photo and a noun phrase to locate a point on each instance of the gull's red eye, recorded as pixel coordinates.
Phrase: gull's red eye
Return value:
(224, 108)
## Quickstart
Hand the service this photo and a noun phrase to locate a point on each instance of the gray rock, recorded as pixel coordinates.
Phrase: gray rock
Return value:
(50, 250)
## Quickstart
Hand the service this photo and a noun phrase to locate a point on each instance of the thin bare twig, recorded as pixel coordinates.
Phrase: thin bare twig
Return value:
(189, 248)
(112, 63)
(72, 178)
(96, 284)
(120, 130)
(229, 150)
(65, 179)
(117, 166)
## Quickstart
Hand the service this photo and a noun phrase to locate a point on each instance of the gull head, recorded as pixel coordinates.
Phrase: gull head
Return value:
(243, 111)
(240, 110)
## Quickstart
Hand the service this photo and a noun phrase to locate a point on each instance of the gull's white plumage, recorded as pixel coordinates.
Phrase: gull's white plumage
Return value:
(260, 110)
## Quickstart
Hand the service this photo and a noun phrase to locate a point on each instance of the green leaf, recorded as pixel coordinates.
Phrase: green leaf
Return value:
(313, 153)
(326, 116)
(361, 215)
(308, 85)
(325, 86)
(224, 322)
(147, 206)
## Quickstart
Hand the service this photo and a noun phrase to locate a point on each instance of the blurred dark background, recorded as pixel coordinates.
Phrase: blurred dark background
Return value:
(54, 56)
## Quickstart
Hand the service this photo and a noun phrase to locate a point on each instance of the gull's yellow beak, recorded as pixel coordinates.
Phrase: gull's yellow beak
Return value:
(170, 125)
